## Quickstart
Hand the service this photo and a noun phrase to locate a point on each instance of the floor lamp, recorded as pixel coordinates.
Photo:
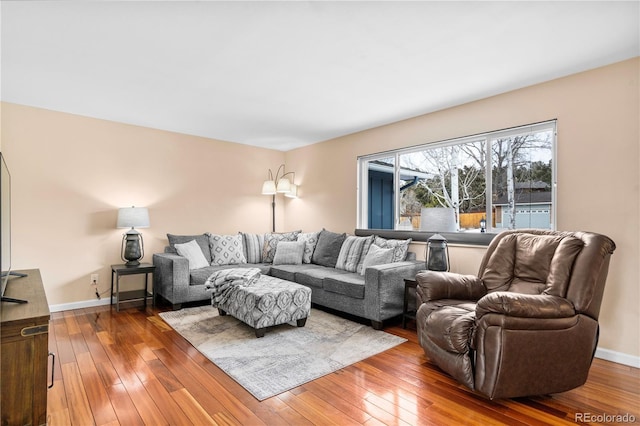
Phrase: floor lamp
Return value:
(279, 183)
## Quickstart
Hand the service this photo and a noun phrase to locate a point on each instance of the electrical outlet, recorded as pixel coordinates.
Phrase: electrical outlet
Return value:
(94, 279)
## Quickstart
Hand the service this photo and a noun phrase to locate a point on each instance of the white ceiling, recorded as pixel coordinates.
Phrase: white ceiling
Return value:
(288, 74)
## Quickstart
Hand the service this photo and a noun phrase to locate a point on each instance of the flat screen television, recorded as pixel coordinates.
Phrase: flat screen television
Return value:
(5, 232)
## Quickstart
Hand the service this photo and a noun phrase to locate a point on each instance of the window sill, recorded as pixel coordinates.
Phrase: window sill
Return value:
(469, 238)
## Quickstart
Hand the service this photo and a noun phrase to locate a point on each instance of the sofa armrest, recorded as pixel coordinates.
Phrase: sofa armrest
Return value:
(524, 305)
(384, 288)
(171, 276)
(433, 285)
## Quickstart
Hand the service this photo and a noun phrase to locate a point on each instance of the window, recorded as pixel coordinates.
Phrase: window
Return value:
(488, 182)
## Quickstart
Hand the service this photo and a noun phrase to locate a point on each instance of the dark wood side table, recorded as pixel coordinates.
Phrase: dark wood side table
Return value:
(409, 309)
(127, 296)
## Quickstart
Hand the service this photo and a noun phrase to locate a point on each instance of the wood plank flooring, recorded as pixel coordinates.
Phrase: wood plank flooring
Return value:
(130, 368)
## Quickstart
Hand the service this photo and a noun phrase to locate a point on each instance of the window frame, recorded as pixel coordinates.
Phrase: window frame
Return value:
(461, 237)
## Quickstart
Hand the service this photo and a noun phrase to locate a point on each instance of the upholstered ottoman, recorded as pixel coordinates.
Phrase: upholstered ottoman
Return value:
(267, 302)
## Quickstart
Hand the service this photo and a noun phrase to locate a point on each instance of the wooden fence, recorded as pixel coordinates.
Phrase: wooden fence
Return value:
(471, 220)
(467, 220)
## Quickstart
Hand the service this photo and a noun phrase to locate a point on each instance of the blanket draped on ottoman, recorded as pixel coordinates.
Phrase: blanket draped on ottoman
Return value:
(258, 300)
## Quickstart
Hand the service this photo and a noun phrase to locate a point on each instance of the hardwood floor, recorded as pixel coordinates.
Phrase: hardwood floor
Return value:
(130, 368)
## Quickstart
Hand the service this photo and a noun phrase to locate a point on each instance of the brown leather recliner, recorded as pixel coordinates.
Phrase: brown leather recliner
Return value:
(528, 323)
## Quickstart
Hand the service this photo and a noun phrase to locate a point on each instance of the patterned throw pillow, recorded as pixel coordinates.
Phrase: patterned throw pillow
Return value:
(226, 249)
(310, 239)
(271, 241)
(400, 247)
(253, 244)
(352, 253)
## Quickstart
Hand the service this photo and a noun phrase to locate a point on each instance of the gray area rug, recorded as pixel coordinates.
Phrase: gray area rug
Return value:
(287, 356)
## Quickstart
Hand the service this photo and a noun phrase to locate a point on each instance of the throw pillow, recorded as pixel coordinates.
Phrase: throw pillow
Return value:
(253, 244)
(310, 239)
(193, 253)
(377, 256)
(226, 249)
(271, 241)
(352, 253)
(202, 240)
(289, 253)
(328, 248)
(400, 247)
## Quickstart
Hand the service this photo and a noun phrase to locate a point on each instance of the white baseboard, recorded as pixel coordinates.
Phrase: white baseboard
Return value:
(606, 354)
(618, 357)
(79, 305)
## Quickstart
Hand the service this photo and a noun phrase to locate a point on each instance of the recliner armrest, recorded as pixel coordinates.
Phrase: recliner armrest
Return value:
(433, 285)
(524, 305)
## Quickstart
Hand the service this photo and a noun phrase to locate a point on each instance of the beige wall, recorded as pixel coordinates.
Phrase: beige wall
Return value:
(70, 174)
(598, 181)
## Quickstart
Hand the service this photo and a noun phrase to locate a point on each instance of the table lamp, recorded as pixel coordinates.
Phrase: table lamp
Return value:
(132, 244)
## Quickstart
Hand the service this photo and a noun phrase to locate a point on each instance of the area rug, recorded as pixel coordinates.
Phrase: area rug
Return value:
(287, 356)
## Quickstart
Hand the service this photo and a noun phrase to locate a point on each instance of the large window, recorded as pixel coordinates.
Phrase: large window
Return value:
(488, 182)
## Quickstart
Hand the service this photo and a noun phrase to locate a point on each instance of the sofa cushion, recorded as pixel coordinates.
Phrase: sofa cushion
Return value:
(352, 253)
(202, 240)
(289, 253)
(315, 276)
(351, 285)
(400, 247)
(271, 241)
(226, 249)
(252, 245)
(311, 240)
(288, 272)
(193, 253)
(328, 248)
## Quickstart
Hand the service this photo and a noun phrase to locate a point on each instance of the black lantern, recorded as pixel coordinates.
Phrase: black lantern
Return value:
(437, 253)
(483, 224)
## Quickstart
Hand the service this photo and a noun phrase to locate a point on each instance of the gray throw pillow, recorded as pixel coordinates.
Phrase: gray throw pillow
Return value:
(202, 240)
(352, 253)
(253, 244)
(289, 253)
(400, 247)
(377, 256)
(271, 241)
(328, 248)
(193, 253)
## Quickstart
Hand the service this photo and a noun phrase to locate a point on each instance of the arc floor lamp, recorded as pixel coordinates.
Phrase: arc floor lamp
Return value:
(279, 184)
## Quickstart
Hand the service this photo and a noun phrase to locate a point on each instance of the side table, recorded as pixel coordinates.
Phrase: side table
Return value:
(119, 270)
(409, 310)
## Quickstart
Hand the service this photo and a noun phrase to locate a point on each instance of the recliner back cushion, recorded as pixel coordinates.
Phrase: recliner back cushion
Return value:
(532, 264)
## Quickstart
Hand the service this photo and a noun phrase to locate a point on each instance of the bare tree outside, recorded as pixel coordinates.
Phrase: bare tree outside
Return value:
(455, 176)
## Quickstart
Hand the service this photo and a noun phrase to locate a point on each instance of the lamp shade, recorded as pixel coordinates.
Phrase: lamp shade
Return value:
(133, 217)
(284, 185)
(268, 187)
(293, 191)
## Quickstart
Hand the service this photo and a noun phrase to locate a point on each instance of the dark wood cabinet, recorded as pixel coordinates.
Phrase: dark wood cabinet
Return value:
(24, 352)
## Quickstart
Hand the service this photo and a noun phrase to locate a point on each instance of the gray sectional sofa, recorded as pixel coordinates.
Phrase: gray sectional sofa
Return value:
(361, 276)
